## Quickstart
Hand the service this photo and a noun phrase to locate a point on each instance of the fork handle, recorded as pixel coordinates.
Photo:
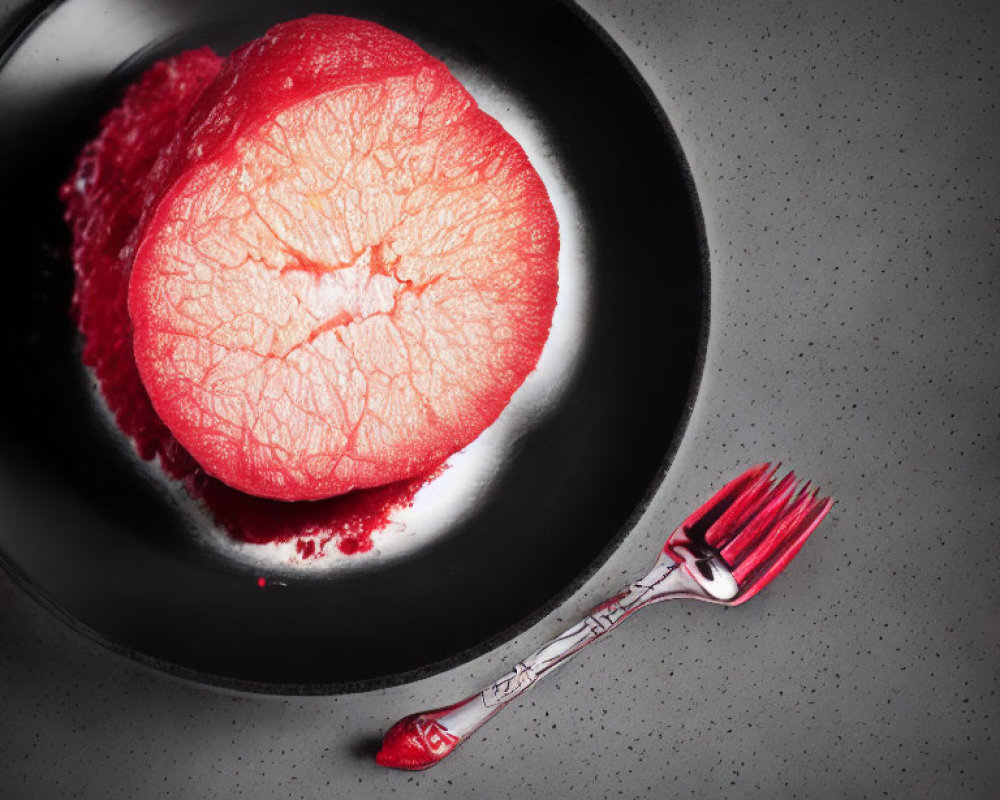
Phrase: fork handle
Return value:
(421, 740)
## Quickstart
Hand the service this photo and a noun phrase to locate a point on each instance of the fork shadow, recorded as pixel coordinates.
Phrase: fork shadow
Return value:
(364, 748)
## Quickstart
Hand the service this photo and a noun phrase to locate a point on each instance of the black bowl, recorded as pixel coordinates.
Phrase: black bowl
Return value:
(86, 530)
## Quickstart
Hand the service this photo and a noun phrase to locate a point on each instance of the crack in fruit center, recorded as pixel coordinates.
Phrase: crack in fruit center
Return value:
(343, 295)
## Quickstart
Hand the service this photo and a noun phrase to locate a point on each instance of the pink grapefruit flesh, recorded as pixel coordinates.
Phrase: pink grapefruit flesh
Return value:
(347, 270)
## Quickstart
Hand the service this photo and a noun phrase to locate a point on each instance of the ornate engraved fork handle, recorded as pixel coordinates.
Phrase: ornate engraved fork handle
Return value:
(467, 716)
(702, 575)
(422, 739)
(602, 619)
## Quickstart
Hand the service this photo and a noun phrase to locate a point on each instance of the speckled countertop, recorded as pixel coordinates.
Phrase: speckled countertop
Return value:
(845, 156)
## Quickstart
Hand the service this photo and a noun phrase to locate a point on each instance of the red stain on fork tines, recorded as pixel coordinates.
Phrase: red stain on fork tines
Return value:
(751, 502)
(757, 525)
(722, 501)
(761, 547)
(741, 534)
(759, 574)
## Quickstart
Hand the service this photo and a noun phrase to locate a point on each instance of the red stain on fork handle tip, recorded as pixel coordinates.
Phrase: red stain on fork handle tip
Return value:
(414, 743)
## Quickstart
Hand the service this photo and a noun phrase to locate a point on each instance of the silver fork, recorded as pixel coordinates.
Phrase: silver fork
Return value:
(725, 552)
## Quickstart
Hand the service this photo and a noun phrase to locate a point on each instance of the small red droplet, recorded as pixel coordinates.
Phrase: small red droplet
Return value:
(262, 582)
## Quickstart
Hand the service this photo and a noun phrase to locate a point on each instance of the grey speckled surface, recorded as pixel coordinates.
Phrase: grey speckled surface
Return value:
(845, 154)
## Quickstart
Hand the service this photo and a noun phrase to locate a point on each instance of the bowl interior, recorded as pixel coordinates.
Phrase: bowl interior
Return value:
(86, 529)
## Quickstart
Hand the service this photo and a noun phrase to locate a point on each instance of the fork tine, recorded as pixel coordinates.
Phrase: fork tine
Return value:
(722, 500)
(747, 498)
(775, 508)
(769, 540)
(756, 573)
(756, 500)
(779, 548)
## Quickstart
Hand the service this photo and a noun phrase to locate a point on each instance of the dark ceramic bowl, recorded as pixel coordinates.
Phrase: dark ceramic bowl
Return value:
(88, 532)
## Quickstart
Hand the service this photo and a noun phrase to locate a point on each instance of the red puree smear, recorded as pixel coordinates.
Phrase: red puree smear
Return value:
(347, 522)
(105, 200)
(109, 199)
